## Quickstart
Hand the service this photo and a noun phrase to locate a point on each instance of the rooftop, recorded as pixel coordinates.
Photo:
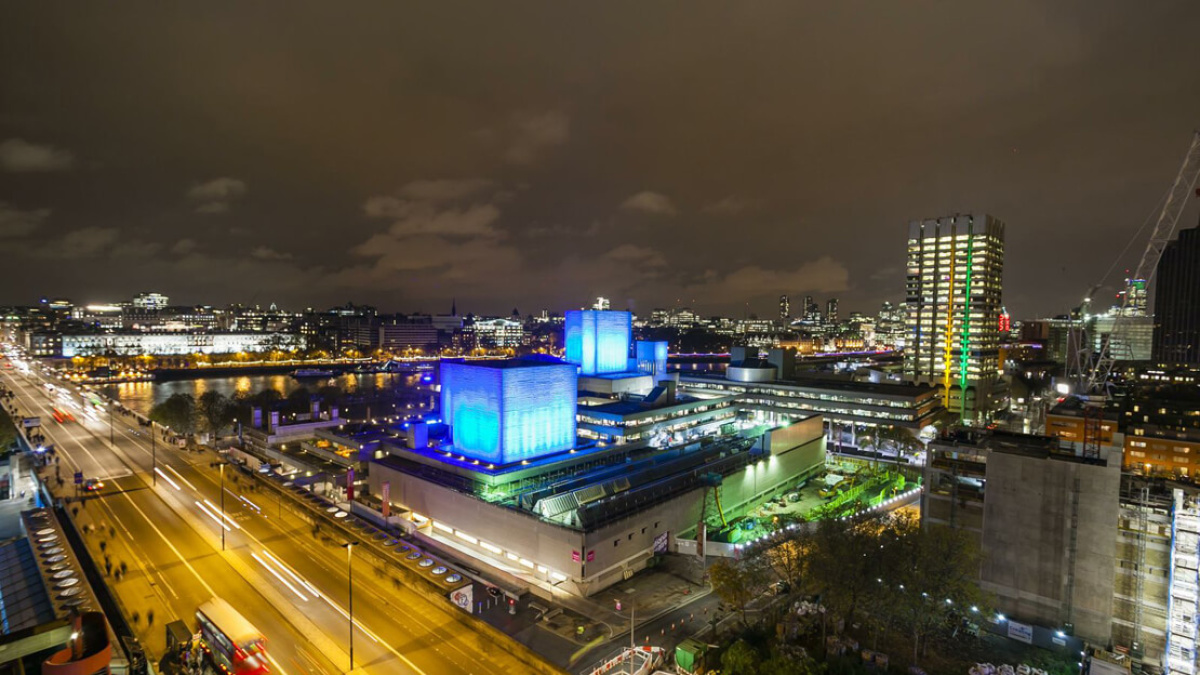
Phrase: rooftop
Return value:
(508, 364)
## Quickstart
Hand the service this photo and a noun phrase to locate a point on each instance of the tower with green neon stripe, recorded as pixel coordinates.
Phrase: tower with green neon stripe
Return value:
(954, 299)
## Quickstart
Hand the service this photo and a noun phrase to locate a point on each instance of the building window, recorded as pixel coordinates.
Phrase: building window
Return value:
(630, 536)
(643, 530)
(616, 542)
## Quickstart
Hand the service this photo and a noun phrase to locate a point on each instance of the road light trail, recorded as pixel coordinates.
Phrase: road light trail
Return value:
(224, 516)
(292, 574)
(167, 478)
(214, 516)
(279, 576)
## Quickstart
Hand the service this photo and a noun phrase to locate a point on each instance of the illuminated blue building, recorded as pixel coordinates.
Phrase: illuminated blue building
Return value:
(598, 341)
(651, 357)
(504, 412)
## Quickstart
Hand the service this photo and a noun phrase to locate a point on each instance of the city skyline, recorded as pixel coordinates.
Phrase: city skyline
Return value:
(541, 175)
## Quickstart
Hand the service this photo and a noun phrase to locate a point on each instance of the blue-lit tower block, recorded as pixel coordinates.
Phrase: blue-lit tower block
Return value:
(651, 357)
(598, 341)
(503, 412)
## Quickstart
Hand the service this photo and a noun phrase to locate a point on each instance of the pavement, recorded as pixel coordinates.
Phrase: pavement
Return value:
(166, 527)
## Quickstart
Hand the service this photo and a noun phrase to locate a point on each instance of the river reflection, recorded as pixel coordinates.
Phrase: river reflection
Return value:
(142, 396)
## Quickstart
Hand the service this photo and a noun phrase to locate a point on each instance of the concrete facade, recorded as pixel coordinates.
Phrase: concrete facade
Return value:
(1049, 533)
(585, 561)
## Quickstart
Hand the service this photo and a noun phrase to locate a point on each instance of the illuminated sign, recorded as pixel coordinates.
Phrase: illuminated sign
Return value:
(598, 341)
(507, 411)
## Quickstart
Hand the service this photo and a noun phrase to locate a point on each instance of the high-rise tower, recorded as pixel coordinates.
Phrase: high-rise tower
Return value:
(955, 273)
(1177, 301)
(785, 308)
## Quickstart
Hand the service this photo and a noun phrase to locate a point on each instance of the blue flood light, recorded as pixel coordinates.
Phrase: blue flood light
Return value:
(507, 411)
(598, 341)
(651, 357)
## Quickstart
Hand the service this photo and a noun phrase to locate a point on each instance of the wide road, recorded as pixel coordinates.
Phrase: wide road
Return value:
(160, 512)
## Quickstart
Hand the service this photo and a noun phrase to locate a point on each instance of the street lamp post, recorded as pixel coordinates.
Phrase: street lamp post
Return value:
(110, 422)
(153, 457)
(222, 506)
(349, 546)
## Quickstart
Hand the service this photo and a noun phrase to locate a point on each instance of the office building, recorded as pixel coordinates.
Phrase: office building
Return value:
(150, 301)
(955, 274)
(831, 311)
(785, 309)
(173, 344)
(1177, 301)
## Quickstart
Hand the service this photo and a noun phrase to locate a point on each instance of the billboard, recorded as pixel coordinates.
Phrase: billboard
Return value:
(1020, 632)
(463, 598)
(598, 341)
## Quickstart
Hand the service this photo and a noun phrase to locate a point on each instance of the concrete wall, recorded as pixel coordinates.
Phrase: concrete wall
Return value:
(513, 531)
(1049, 539)
(616, 549)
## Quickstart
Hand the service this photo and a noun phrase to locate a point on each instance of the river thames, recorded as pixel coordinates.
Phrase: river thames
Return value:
(142, 396)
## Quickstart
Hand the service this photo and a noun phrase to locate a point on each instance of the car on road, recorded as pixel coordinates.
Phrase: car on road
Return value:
(93, 485)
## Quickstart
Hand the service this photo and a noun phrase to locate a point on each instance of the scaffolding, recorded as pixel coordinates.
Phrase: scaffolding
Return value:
(1184, 600)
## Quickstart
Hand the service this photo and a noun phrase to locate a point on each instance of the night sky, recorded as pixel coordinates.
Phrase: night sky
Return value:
(535, 155)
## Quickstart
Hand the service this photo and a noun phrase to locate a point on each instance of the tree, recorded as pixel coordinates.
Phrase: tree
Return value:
(787, 665)
(216, 411)
(844, 561)
(8, 432)
(937, 568)
(298, 401)
(738, 582)
(789, 549)
(740, 659)
(177, 412)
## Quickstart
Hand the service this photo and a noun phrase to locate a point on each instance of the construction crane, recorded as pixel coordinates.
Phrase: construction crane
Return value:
(1092, 360)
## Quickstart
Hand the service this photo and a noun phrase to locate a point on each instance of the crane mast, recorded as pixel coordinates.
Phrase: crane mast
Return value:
(1091, 368)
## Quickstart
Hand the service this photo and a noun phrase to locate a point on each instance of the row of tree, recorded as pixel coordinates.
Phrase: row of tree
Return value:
(213, 412)
(884, 573)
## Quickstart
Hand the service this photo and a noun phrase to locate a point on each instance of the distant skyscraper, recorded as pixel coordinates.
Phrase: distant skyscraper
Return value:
(785, 308)
(831, 311)
(955, 271)
(809, 310)
(150, 301)
(1177, 301)
(1137, 304)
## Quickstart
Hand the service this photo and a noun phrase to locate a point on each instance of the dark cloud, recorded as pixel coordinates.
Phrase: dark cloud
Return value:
(19, 156)
(650, 202)
(775, 148)
(15, 222)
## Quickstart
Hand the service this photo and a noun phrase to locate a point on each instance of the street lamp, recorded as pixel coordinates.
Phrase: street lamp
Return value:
(349, 546)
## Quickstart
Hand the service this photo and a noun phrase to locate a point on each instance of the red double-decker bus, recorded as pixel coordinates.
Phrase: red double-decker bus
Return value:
(232, 643)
